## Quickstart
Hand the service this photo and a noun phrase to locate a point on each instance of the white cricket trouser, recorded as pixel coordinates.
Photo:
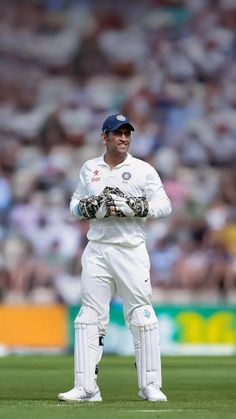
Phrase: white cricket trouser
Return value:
(108, 269)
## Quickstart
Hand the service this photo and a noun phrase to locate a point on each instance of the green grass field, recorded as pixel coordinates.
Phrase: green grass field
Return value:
(197, 387)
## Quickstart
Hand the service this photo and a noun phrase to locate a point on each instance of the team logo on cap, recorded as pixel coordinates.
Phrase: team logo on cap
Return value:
(126, 175)
(121, 118)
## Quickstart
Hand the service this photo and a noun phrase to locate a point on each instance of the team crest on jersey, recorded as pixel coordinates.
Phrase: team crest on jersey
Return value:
(126, 175)
(96, 176)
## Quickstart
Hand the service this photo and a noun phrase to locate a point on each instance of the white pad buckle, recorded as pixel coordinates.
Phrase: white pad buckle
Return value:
(144, 328)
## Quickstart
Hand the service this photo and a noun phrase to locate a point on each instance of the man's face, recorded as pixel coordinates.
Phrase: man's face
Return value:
(118, 142)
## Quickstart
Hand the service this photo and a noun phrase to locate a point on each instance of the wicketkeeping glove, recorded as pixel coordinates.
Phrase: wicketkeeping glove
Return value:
(110, 193)
(139, 204)
(122, 209)
(92, 207)
(98, 206)
(112, 202)
(136, 206)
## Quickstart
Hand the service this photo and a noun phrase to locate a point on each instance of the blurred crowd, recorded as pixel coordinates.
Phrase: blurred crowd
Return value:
(170, 65)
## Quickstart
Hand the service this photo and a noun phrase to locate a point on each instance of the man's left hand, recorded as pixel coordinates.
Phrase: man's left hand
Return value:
(121, 207)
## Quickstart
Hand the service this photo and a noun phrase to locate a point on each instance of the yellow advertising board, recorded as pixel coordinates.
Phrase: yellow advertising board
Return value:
(33, 326)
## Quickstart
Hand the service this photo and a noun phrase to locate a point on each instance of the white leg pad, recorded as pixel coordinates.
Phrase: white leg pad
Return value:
(86, 348)
(144, 328)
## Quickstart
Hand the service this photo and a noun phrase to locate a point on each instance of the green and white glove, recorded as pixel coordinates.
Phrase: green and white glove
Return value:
(100, 206)
(136, 206)
(102, 212)
(139, 204)
(122, 209)
(92, 207)
(112, 202)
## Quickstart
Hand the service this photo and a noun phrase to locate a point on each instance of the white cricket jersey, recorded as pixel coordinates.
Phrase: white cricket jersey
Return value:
(133, 177)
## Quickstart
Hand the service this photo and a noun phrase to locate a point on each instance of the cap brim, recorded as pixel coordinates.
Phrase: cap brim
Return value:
(121, 124)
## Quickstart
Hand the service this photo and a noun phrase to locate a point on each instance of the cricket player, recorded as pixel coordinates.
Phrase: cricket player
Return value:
(117, 193)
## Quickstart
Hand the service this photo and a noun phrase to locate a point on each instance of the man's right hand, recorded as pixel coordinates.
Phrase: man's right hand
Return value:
(102, 212)
(91, 207)
(102, 205)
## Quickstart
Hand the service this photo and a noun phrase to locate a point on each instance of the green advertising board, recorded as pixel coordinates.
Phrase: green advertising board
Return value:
(183, 330)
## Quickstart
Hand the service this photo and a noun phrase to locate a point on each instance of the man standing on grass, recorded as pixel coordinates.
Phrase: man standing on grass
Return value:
(117, 192)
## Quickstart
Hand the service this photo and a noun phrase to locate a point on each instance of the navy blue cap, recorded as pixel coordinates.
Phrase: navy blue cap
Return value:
(114, 122)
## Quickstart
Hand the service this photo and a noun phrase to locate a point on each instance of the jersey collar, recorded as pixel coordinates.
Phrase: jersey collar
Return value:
(126, 162)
